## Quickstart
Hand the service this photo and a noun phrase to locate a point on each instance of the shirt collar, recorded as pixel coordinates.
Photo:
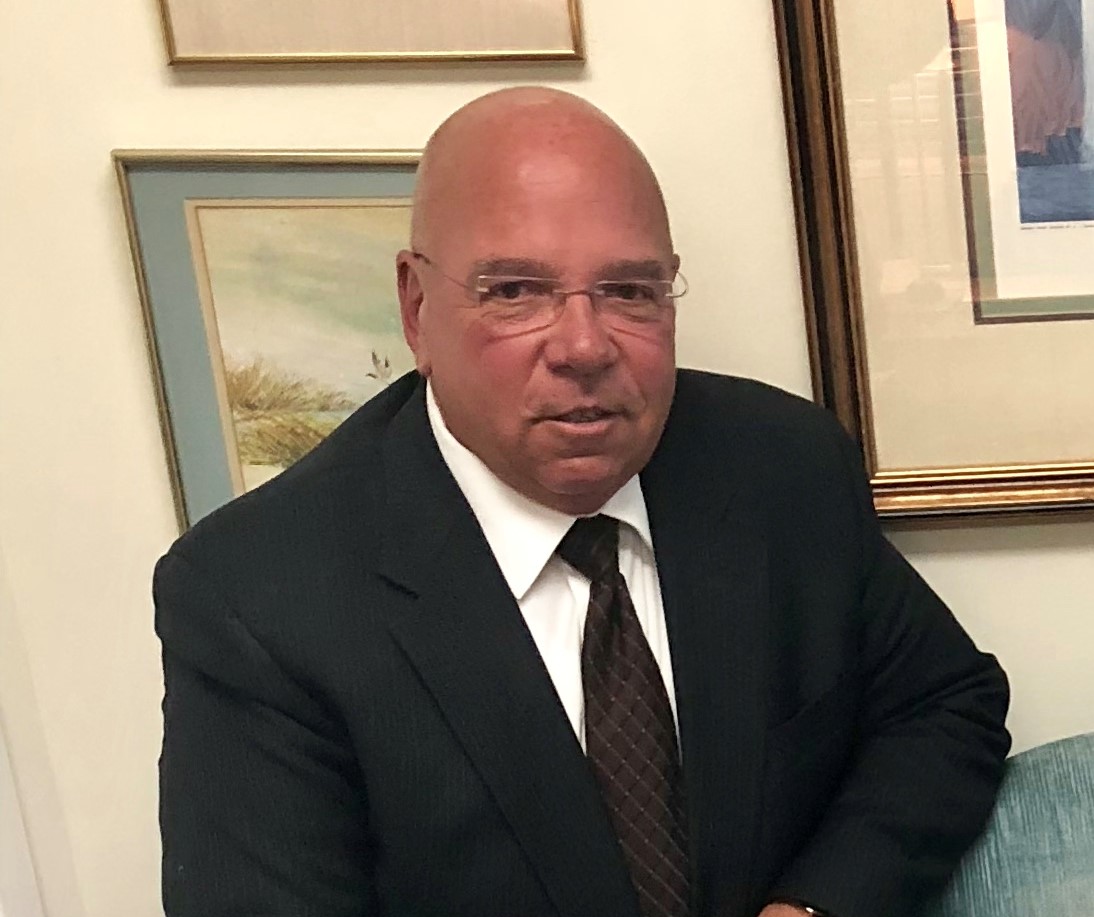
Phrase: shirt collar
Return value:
(522, 534)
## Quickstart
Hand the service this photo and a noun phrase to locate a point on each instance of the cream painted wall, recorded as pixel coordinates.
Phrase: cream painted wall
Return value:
(84, 502)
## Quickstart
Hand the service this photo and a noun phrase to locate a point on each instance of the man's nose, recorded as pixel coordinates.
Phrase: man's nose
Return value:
(579, 339)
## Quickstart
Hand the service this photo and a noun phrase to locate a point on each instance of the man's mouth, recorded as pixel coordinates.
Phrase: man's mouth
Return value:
(584, 415)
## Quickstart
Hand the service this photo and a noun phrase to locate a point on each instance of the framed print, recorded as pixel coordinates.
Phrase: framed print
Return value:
(267, 282)
(1029, 191)
(242, 31)
(943, 174)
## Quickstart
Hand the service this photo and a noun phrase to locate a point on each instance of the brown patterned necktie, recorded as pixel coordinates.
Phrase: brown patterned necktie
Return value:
(629, 730)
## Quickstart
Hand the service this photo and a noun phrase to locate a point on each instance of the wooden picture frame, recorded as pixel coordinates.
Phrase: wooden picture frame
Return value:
(341, 31)
(267, 284)
(958, 412)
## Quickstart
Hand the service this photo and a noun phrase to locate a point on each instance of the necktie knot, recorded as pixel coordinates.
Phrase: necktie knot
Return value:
(591, 546)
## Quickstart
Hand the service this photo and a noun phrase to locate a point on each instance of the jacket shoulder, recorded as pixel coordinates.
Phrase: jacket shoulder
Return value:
(729, 431)
(736, 402)
(309, 501)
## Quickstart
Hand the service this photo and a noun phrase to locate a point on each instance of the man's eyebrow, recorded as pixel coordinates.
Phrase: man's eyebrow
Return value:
(624, 269)
(514, 267)
(650, 269)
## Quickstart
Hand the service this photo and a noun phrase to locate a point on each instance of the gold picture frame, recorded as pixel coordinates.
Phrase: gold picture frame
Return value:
(900, 349)
(267, 285)
(349, 31)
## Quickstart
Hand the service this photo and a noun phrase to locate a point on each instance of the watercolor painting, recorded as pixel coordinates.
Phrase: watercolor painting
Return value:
(302, 318)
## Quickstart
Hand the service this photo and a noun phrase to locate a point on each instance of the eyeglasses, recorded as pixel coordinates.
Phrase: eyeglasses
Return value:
(534, 303)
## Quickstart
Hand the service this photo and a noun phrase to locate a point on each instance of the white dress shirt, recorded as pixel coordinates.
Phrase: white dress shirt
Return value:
(552, 596)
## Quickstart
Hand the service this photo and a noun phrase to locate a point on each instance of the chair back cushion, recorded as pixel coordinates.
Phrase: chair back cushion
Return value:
(1036, 856)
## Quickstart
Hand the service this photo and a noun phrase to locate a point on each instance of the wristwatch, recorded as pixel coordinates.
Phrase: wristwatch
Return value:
(802, 906)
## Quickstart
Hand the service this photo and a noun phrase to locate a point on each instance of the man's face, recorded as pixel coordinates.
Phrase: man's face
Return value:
(567, 413)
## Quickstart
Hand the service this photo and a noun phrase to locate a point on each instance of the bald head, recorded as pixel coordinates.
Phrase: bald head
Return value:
(513, 137)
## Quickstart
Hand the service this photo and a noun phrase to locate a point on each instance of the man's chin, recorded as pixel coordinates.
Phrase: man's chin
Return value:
(580, 486)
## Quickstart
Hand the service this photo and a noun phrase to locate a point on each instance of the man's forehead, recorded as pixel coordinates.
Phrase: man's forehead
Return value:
(593, 172)
(514, 160)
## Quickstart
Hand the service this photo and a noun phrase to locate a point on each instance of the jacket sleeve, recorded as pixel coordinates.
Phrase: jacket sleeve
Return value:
(262, 810)
(929, 750)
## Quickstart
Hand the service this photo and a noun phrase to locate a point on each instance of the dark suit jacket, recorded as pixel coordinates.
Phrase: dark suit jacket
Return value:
(358, 722)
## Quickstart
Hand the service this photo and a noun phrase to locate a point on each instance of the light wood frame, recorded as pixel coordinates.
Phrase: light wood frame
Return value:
(180, 50)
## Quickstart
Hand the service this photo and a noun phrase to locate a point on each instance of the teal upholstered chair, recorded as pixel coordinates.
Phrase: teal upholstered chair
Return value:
(1036, 858)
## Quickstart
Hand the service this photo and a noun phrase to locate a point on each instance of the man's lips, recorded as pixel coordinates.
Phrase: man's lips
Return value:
(582, 430)
(583, 415)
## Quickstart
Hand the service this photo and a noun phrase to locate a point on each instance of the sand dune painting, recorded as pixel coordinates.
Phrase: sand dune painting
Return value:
(300, 310)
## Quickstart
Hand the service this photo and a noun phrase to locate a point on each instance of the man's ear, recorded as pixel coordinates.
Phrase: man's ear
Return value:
(411, 302)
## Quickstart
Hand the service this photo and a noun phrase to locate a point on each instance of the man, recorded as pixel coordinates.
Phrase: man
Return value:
(401, 680)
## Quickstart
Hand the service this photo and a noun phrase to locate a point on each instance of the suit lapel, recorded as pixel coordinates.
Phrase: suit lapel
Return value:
(712, 564)
(468, 641)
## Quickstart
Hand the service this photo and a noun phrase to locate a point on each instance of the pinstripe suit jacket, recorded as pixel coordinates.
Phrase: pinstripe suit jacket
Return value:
(357, 720)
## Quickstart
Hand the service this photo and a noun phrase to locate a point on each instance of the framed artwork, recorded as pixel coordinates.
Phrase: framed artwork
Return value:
(943, 168)
(242, 31)
(267, 282)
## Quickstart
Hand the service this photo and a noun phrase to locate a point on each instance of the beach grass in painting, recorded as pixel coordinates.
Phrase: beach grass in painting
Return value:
(301, 313)
(279, 417)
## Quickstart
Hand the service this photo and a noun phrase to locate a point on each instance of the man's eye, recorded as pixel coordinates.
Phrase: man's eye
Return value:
(517, 289)
(629, 291)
